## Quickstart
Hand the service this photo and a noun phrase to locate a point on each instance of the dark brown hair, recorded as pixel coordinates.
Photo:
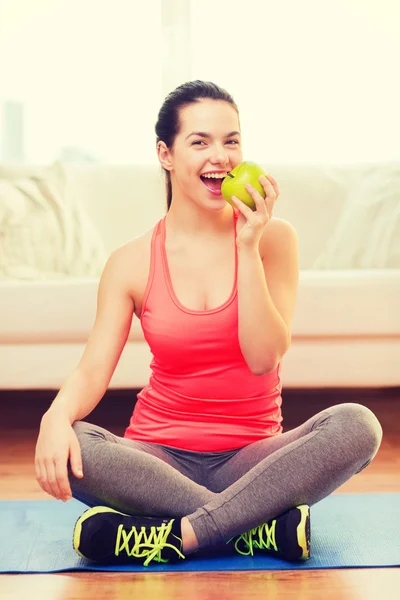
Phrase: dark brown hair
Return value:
(168, 123)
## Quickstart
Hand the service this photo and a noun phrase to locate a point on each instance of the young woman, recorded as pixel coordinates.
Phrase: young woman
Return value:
(204, 465)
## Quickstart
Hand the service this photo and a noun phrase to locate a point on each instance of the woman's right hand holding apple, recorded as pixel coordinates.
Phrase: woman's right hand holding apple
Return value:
(57, 442)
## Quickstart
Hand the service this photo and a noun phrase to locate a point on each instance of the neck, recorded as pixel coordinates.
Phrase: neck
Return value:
(193, 222)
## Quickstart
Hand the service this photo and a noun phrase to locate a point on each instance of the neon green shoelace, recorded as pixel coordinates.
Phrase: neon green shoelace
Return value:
(254, 539)
(149, 545)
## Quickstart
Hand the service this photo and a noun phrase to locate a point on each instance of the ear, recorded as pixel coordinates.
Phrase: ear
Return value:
(164, 156)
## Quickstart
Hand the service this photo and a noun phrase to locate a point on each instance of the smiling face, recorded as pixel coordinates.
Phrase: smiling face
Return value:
(208, 141)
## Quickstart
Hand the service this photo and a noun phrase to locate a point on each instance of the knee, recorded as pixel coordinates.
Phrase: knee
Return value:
(83, 432)
(89, 434)
(80, 428)
(362, 427)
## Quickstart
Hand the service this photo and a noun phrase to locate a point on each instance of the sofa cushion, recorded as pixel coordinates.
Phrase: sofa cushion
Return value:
(61, 311)
(367, 234)
(42, 234)
(64, 311)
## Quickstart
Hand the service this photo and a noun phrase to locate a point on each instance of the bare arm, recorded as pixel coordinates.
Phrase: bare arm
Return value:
(267, 290)
(87, 384)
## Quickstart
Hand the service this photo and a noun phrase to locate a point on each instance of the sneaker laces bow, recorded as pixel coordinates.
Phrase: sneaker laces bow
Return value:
(145, 545)
(254, 538)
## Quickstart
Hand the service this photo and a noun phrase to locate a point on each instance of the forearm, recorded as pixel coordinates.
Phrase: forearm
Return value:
(263, 335)
(78, 396)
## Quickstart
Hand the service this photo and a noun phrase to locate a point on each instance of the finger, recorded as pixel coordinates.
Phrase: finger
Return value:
(62, 478)
(75, 457)
(51, 479)
(41, 476)
(38, 471)
(267, 185)
(274, 185)
(258, 199)
(244, 209)
(271, 194)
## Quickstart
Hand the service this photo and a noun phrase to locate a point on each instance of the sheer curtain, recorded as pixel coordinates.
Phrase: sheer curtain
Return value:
(82, 79)
(315, 81)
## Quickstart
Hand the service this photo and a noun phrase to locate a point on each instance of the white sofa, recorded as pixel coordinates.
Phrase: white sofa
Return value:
(346, 329)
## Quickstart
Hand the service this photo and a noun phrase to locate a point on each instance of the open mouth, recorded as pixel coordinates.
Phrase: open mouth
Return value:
(213, 185)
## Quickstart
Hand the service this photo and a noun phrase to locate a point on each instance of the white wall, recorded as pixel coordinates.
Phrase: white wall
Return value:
(315, 81)
(88, 73)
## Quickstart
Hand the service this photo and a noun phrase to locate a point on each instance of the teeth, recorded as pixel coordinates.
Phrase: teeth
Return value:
(214, 175)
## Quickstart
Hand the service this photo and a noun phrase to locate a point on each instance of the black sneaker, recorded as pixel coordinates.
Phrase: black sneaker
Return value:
(105, 535)
(287, 536)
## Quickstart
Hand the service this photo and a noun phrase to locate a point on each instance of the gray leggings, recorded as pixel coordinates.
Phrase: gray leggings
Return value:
(224, 494)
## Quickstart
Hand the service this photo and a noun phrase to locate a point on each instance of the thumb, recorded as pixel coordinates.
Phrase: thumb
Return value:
(76, 459)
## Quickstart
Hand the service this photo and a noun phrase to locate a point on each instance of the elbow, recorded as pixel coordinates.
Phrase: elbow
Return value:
(266, 369)
(264, 372)
(272, 364)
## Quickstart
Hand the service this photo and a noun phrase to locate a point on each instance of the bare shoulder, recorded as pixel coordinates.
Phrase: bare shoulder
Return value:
(278, 234)
(132, 250)
(130, 263)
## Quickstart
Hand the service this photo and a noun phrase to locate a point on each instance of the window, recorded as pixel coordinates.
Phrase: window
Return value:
(80, 80)
(314, 81)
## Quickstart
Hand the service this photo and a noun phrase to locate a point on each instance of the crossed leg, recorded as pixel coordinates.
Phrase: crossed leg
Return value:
(302, 466)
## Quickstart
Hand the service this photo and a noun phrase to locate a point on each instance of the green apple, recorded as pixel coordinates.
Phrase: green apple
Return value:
(234, 183)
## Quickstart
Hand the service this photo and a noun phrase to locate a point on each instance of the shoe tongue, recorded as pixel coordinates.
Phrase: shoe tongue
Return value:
(176, 529)
(175, 539)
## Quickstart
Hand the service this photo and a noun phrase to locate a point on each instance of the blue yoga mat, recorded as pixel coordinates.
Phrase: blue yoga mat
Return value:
(347, 530)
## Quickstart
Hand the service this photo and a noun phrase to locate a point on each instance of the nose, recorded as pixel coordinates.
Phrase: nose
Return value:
(219, 156)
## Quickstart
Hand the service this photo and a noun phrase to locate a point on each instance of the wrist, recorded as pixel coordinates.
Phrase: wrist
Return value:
(56, 412)
(248, 250)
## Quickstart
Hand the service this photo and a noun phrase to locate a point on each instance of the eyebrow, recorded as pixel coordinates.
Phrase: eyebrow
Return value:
(207, 135)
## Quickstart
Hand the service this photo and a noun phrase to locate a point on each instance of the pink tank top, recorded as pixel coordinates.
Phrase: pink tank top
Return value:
(201, 395)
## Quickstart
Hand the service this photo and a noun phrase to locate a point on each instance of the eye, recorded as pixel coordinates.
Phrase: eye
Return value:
(202, 142)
